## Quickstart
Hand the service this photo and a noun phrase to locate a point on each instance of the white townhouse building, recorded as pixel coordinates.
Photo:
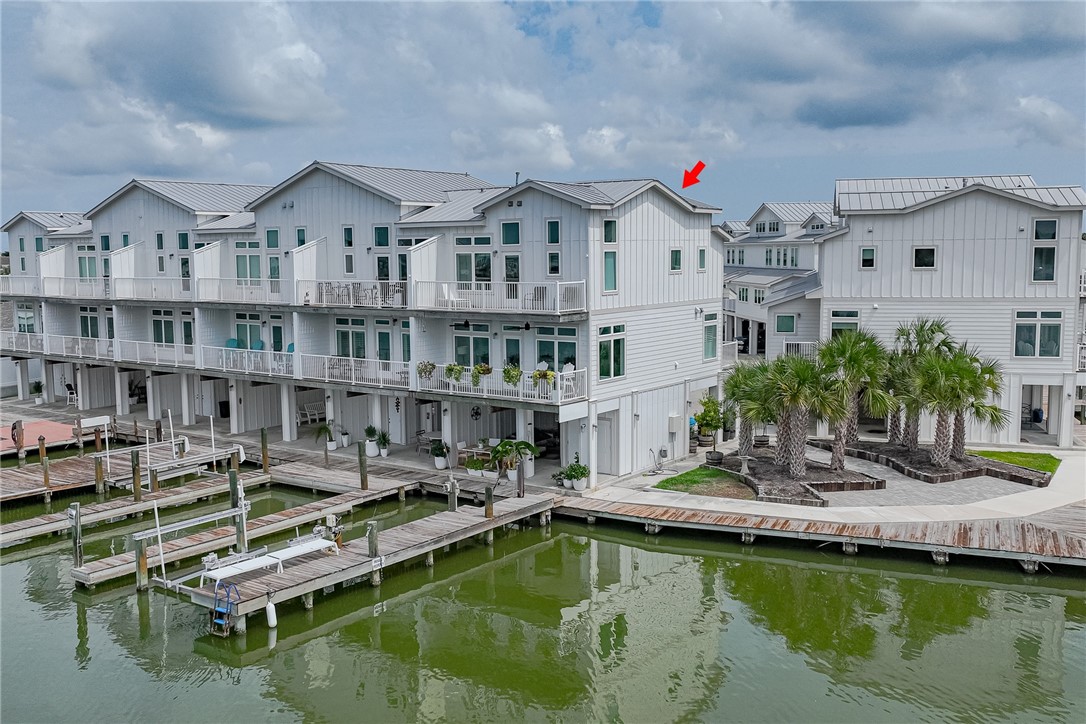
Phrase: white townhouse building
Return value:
(999, 257)
(356, 289)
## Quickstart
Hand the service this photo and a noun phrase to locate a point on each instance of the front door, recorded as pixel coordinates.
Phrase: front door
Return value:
(512, 276)
(605, 446)
(186, 274)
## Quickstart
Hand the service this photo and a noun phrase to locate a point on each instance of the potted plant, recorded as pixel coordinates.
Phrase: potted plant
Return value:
(576, 473)
(425, 369)
(440, 451)
(325, 431)
(479, 371)
(454, 372)
(511, 375)
(545, 376)
(710, 419)
(490, 469)
(36, 390)
(475, 467)
(728, 418)
(371, 441)
(513, 453)
(383, 441)
(344, 436)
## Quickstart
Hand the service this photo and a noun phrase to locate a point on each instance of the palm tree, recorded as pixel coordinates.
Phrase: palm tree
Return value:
(984, 377)
(895, 383)
(800, 386)
(859, 363)
(913, 340)
(746, 388)
(939, 386)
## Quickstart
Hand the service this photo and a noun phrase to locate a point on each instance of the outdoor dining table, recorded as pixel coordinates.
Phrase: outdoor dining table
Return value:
(480, 451)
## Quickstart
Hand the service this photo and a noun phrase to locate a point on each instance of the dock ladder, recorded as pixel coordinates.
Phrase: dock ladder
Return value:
(222, 617)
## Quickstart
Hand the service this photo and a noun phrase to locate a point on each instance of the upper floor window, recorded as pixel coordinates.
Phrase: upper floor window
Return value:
(182, 240)
(159, 241)
(1044, 229)
(104, 239)
(759, 296)
(729, 256)
(473, 240)
(553, 229)
(774, 227)
(676, 260)
(300, 234)
(709, 337)
(554, 263)
(39, 243)
(742, 260)
(24, 318)
(348, 237)
(923, 257)
(380, 236)
(510, 232)
(867, 257)
(1044, 263)
(610, 271)
(124, 239)
(816, 227)
(759, 228)
(612, 356)
(744, 294)
(271, 236)
(610, 231)
(701, 260)
(769, 256)
(22, 244)
(1037, 334)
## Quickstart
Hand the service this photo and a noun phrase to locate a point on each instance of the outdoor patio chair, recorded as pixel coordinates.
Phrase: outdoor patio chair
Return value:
(461, 453)
(73, 396)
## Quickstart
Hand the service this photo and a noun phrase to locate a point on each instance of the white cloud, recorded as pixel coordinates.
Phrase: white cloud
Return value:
(604, 146)
(1044, 120)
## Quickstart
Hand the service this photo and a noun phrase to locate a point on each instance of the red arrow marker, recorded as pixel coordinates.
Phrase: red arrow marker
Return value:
(691, 177)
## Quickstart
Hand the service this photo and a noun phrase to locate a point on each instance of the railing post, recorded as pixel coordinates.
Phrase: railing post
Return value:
(77, 535)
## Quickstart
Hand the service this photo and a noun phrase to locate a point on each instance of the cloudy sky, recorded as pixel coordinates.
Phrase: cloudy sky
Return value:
(777, 99)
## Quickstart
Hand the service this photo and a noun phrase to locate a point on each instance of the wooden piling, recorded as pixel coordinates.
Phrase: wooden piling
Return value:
(79, 437)
(41, 447)
(154, 481)
(401, 494)
(429, 559)
(235, 461)
(520, 480)
(489, 501)
(143, 579)
(265, 460)
(99, 476)
(20, 442)
(77, 535)
(454, 494)
(158, 430)
(363, 467)
(371, 539)
(137, 486)
(45, 479)
(97, 439)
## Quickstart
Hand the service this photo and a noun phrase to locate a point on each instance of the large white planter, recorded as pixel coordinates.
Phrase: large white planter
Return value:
(580, 483)
(39, 400)
(490, 474)
(344, 439)
(511, 473)
(441, 463)
(566, 483)
(475, 473)
(371, 449)
(384, 452)
(331, 444)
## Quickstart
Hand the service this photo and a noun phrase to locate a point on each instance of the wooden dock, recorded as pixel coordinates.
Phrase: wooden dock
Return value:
(342, 475)
(1056, 536)
(218, 539)
(303, 576)
(24, 530)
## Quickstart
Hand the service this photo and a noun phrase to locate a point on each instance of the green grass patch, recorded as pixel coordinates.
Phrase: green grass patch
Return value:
(708, 481)
(1034, 461)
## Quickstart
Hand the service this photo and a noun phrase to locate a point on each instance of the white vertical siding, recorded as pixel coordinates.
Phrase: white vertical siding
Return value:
(141, 215)
(807, 325)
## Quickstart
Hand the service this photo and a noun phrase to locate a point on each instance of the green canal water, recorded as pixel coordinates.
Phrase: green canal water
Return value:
(567, 623)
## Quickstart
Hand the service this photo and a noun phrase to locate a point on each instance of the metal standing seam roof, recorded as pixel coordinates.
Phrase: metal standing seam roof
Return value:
(458, 208)
(800, 288)
(606, 193)
(735, 226)
(205, 198)
(407, 185)
(793, 212)
(240, 220)
(896, 194)
(48, 220)
(83, 228)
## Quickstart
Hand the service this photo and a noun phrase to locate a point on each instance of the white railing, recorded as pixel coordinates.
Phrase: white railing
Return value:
(11, 341)
(1082, 358)
(251, 361)
(83, 347)
(355, 371)
(151, 288)
(565, 387)
(157, 353)
(1082, 284)
(529, 297)
(801, 349)
(77, 287)
(371, 294)
(729, 354)
(272, 291)
(729, 305)
(19, 285)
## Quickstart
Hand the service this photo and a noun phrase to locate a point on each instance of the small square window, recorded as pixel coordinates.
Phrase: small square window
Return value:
(1044, 229)
(924, 257)
(786, 324)
(676, 260)
(867, 257)
(1044, 264)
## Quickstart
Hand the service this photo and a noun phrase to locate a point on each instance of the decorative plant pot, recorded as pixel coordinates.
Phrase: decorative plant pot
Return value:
(567, 483)
(371, 449)
(475, 473)
(331, 444)
(705, 440)
(344, 439)
(39, 400)
(511, 473)
(580, 483)
(384, 452)
(441, 463)
(131, 400)
(693, 446)
(761, 440)
(728, 435)
(490, 474)
(714, 457)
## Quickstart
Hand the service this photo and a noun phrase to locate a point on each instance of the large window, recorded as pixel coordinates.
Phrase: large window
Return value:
(556, 347)
(510, 232)
(1044, 263)
(610, 271)
(247, 325)
(271, 238)
(1044, 229)
(88, 322)
(248, 268)
(351, 337)
(612, 352)
(88, 265)
(471, 344)
(786, 324)
(843, 320)
(24, 318)
(475, 267)
(924, 257)
(162, 326)
(1037, 334)
(709, 337)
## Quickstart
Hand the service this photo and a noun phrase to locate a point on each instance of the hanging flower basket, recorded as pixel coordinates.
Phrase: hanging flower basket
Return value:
(546, 376)
(454, 372)
(425, 369)
(511, 374)
(479, 371)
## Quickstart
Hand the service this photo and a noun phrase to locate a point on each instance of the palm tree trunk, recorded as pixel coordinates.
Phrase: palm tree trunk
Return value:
(326, 455)
(746, 437)
(797, 444)
(784, 425)
(911, 433)
(940, 449)
(957, 450)
(893, 427)
(852, 420)
(837, 457)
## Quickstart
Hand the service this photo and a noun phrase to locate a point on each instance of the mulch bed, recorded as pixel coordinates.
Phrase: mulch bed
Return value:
(772, 483)
(917, 464)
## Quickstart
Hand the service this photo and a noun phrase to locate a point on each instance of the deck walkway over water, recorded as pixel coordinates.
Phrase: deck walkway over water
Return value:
(1054, 536)
(317, 571)
(218, 539)
(22, 530)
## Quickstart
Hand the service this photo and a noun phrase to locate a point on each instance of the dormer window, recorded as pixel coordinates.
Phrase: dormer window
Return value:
(774, 227)
(817, 227)
(759, 228)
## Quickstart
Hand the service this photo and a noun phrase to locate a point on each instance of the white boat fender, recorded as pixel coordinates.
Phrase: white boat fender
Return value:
(269, 611)
(271, 638)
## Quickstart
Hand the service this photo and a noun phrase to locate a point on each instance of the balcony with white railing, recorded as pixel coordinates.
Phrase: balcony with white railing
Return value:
(729, 354)
(801, 349)
(520, 297)
(258, 291)
(355, 371)
(153, 288)
(76, 287)
(1082, 284)
(729, 305)
(16, 286)
(29, 342)
(1082, 358)
(249, 361)
(81, 347)
(366, 294)
(554, 389)
(156, 353)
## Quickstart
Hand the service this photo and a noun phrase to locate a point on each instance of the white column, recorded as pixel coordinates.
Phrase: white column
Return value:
(1065, 417)
(188, 407)
(377, 417)
(236, 400)
(120, 391)
(152, 396)
(525, 427)
(288, 396)
(330, 410)
(22, 378)
(82, 386)
(593, 430)
(48, 382)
